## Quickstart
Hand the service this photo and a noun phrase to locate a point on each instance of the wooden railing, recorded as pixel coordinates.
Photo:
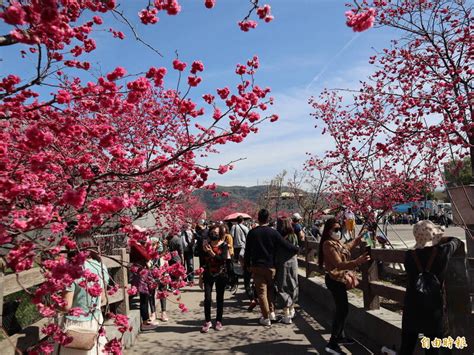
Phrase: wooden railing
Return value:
(31, 335)
(456, 282)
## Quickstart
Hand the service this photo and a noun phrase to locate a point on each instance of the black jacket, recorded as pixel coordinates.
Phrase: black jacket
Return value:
(261, 246)
(413, 319)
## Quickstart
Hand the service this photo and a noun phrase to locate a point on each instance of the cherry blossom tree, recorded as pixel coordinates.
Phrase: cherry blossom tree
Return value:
(415, 112)
(421, 93)
(233, 206)
(219, 214)
(194, 209)
(103, 152)
(371, 186)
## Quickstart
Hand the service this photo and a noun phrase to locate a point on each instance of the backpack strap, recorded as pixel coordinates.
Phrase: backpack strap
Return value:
(432, 257)
(430, 261)
(417, 261)
(242, 230)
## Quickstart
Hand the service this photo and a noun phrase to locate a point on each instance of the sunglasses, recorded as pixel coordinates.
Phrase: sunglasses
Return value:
(337, 230)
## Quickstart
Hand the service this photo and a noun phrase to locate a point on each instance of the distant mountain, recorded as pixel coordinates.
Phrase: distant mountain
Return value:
(237, 193)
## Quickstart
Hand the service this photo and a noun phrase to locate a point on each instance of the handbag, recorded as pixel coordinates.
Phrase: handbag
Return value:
(81, 339)
(348, 278)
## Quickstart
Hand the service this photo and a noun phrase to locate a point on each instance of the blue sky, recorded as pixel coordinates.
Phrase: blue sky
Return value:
(306, 48)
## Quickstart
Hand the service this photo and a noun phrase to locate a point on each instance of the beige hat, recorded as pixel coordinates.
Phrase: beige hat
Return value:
(427, 234)
(296, 216)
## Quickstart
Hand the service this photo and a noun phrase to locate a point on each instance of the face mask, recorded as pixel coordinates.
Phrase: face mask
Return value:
(213, 237)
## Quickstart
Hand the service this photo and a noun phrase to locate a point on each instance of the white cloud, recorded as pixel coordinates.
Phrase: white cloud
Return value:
(283, 144)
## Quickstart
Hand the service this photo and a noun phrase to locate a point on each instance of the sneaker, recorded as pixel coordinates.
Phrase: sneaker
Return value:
(333, 348)
(286, 320)
(164, 317)
(205, 328)
(266, 322)
(218, 326)
(272, 316)
(345, 340)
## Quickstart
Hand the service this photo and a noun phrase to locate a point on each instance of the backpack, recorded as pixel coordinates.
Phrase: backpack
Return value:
(428, 288)
(189, 242)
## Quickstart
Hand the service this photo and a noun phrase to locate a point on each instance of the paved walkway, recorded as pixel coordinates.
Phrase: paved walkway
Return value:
(241, 334)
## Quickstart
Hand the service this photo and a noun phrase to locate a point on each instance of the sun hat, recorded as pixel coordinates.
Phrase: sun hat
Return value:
(427, 233)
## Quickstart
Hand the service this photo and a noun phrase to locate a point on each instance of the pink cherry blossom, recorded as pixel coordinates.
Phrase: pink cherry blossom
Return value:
(264, 11)
(116, 74)
(132, 291)
(273, 118)
(194, 81)
(75, 198)
(148, 16)
(197, 66)
(360, 21)
(247, 25)
(223, 169)
(178, 65)
(210, 3)
(95, 290)
(14, 14)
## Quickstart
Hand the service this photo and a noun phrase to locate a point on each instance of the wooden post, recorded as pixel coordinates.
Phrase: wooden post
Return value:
(470, 263)
(121, 277)
(458, 298)
(307, 258)
(1, 297)
(369, 273)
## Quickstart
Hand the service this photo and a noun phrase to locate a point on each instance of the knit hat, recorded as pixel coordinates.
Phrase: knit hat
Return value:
(427, 232)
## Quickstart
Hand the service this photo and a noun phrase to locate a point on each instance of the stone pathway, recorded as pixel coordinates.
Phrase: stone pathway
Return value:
(241, 334)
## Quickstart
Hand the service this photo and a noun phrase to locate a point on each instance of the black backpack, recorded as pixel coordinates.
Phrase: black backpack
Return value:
(428, 288)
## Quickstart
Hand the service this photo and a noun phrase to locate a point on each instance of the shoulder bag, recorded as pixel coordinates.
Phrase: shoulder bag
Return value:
(82, 339)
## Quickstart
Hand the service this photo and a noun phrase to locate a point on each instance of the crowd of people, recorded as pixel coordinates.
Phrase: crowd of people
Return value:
(267, 255)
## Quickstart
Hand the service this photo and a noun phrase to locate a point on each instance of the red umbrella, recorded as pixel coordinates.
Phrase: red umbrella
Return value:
(235, 215)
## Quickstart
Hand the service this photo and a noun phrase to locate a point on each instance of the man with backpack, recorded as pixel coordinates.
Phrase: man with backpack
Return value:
(239, 233)
(424, 309)
(259, 258)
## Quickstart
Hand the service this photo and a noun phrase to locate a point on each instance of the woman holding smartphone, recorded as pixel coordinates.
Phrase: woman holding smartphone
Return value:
(215, 256)
(336, 258)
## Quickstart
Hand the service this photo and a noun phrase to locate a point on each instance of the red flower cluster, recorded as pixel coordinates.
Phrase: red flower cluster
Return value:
(247, 25)
(360, 21)
(210, 3)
